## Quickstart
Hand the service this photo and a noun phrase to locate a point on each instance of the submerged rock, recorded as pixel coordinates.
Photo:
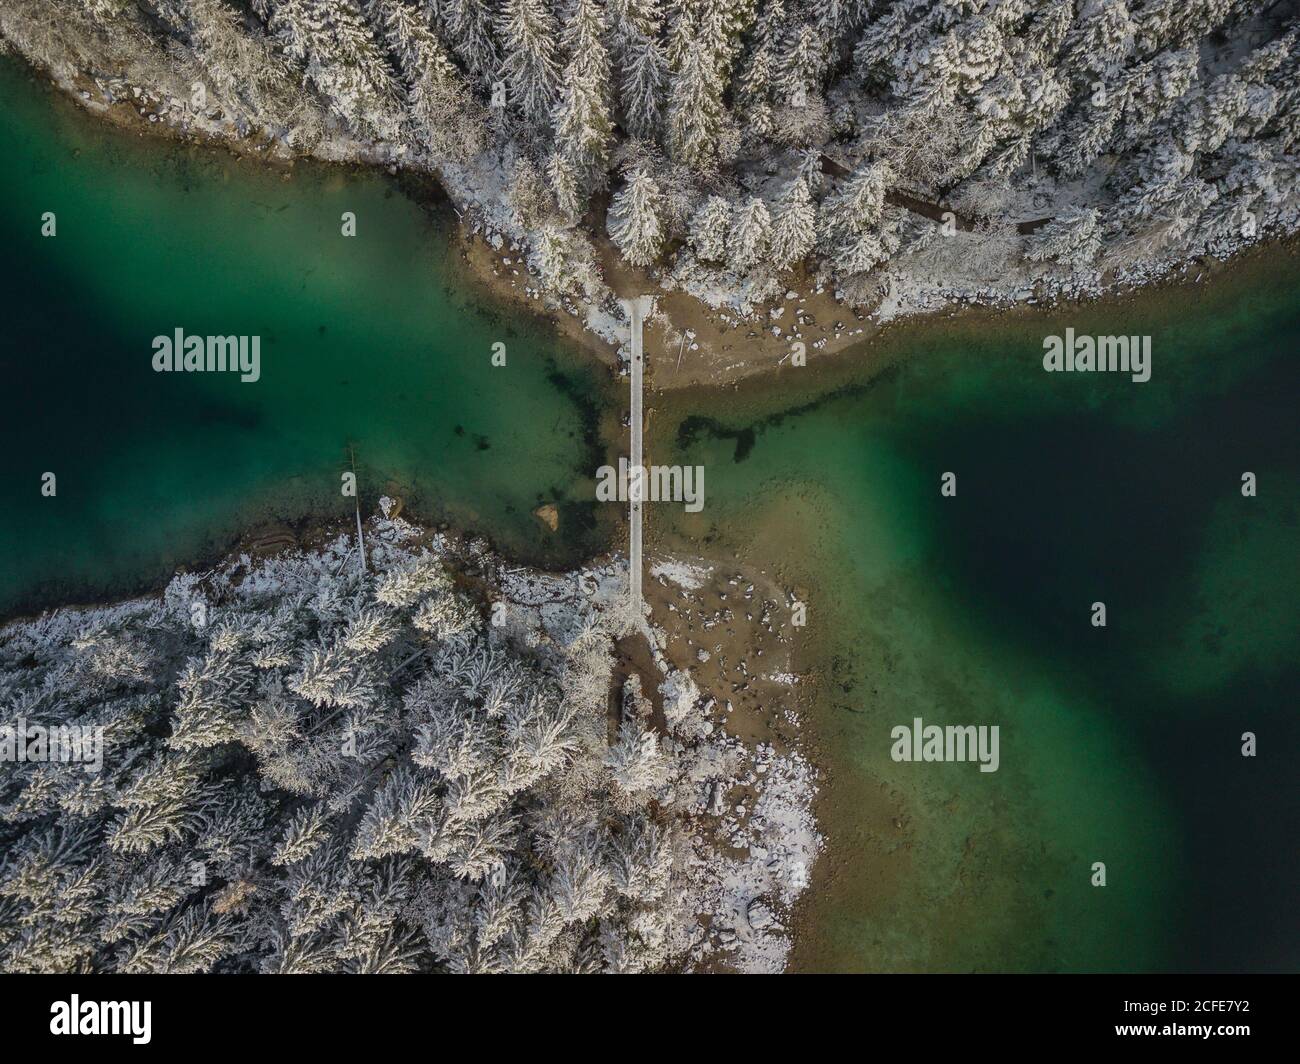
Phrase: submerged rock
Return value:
(549, 515)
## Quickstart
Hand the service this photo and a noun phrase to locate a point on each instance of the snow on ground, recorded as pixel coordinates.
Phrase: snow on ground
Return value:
(762, 802)
(756, 838)
(684, 574)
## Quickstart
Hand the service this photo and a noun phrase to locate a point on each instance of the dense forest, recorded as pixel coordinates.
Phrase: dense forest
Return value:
(722, 144)
(322, 763)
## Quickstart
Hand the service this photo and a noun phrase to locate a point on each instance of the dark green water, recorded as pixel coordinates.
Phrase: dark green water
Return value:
(1119, 745)
(373, 343)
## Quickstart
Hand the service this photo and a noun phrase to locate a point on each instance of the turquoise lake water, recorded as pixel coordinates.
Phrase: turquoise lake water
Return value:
(374, 349)
(1119, 745)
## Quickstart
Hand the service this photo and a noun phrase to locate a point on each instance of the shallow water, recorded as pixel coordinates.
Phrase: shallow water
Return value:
(1120, 744)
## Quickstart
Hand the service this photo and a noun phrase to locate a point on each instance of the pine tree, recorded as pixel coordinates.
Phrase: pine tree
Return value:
(634, 223)
(695, 109)
(469, 24)
(794, 229)
(1088, 135)
(801, 64)
(410, 40)
(1102, 40)
(565, 186)
(583, 127)
(856, 207)
(341, 58)
(635, 760)
(645, 75)
(849, 221)
(709, 228)
(749, 237)
(1072, 238)
(759, 70)
(530, 65)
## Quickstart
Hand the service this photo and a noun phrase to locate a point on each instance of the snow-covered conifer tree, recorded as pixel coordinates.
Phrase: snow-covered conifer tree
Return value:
(469, 24)
(855, 208)
(642, 84)
(695, 108)
(583, 126)
(1072, 238)
(794, 227)
(565, 185)
(530, 63)
(709, 227)
(634, 223)
(748, 240)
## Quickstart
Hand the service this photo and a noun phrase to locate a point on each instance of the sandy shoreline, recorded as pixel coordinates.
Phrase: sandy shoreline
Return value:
(691, 347)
